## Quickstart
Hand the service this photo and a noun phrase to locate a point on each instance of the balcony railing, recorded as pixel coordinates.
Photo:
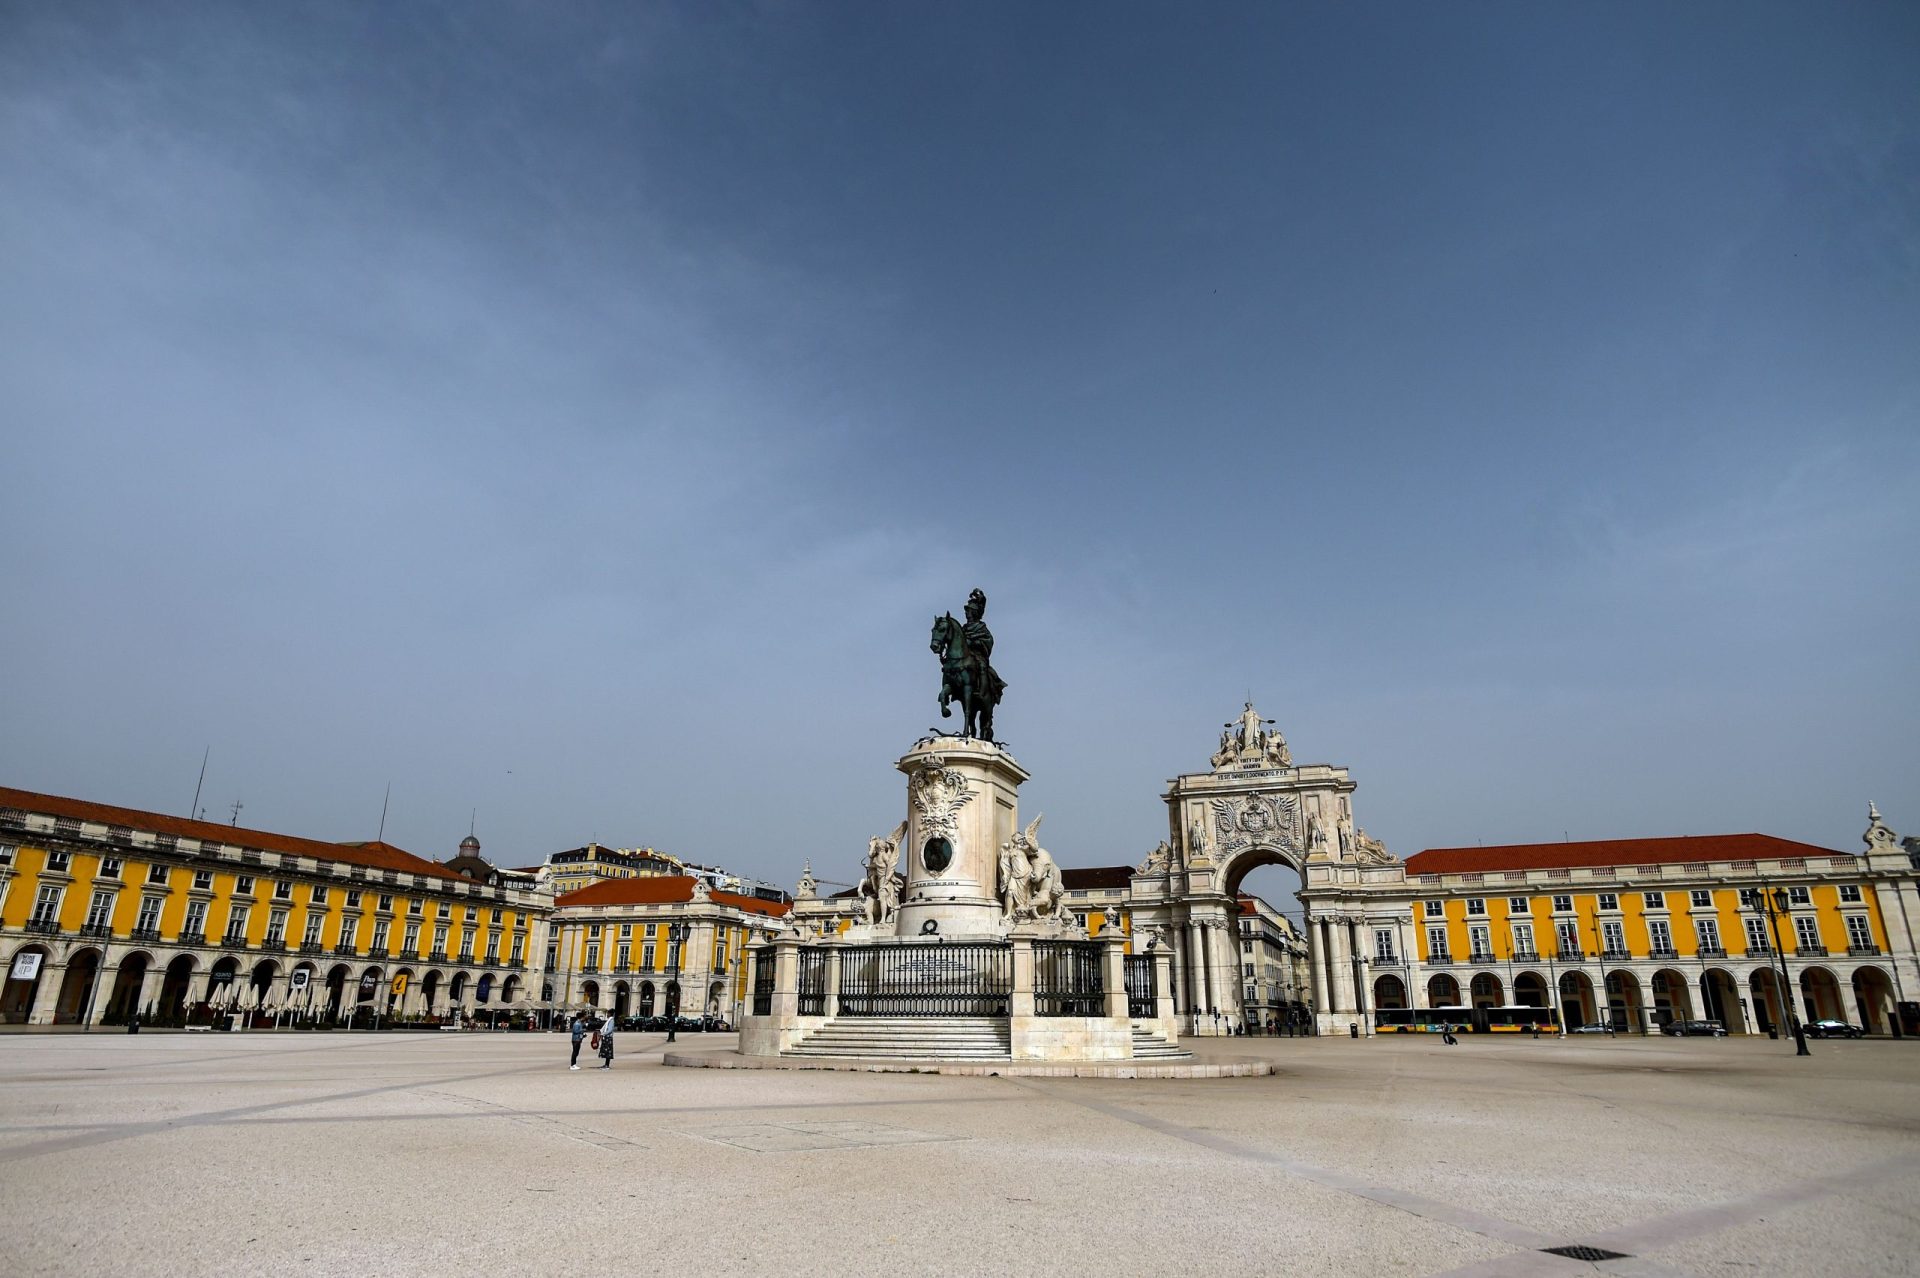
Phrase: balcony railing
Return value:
(1439, 958)
(312, 947)
(377, 952)
(1862, 951)
(196, 937)
(345, 949)
(1481, 956)
(1525, 956)
(99, 931)
(1570, 954)
(234, 940)
(1663, 952)
(274, 944)
(1713, 951)
(144, 934)
(1759, 947)
(437, 956)
(46, 926)
(1614, 956)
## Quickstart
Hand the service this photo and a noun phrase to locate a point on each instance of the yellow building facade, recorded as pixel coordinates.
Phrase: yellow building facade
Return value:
(1747, 930)
(643, 945)
(110, 912)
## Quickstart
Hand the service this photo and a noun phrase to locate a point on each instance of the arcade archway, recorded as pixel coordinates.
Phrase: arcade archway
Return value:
(77, 987)
(1624, 1004)
(1873, 998)
(16, 1000)
(1720, 996)
(1576, 1000)
(123, 1001)
(1671, 999)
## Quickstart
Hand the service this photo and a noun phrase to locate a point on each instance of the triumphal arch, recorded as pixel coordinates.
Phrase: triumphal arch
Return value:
(1254, 807)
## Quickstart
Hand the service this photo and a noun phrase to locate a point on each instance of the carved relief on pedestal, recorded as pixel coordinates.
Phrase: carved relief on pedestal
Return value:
(938, 793)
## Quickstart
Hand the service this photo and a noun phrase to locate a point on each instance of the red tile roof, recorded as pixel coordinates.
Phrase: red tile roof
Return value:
(1610, 852)
(662, 889)
(376, 856)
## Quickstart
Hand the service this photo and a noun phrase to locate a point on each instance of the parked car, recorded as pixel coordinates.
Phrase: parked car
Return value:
(1592, 1027)
(1832, 1029)
(1694, 1029)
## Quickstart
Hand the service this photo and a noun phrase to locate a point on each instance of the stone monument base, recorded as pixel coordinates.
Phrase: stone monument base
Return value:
(1025, 999)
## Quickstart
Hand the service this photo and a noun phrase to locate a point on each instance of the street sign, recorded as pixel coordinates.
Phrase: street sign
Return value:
(26, 966)
(400, 984)
(299, 980)
(369, 983)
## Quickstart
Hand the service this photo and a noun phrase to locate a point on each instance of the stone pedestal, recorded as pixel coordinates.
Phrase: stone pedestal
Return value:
(962, 804)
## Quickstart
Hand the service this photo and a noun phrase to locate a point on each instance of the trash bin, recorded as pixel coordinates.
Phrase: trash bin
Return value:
(1353, 1029)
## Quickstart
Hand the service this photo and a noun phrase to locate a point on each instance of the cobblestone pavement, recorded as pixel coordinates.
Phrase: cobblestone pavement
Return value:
(440, 1153)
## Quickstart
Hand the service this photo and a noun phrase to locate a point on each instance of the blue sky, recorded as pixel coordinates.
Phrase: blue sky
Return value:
(579, 412)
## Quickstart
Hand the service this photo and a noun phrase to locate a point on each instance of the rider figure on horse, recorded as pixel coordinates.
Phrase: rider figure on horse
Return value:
(971, 677)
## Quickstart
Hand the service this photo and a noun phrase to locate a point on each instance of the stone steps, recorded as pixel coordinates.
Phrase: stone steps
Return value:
(945, 1038)
(956, 1038)
(1151, 1047)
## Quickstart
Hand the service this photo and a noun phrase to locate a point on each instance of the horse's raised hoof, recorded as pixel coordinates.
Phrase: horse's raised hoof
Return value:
(946, 712)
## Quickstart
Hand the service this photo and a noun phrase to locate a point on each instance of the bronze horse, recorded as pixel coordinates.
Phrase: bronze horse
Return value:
(964, 677)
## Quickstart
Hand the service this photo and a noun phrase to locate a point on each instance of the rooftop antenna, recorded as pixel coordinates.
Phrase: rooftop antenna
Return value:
(202, 781)
(473, 822)
(234, 808)
(381, 837)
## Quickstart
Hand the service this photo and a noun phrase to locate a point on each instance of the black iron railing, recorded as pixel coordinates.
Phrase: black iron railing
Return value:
(1067, 979)
(762, 984)
(813, 981)
(967, 979)
(1141, 994)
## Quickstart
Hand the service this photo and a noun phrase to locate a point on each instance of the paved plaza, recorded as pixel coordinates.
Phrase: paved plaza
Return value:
(443, 1153)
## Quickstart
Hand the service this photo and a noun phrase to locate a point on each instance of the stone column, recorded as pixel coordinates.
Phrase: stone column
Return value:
(1196, 992)
(1163, 994)
(93, 1003)
(831, 1005)
(1022, 999)
(150, 986)
(47, 995)
(1113, 962)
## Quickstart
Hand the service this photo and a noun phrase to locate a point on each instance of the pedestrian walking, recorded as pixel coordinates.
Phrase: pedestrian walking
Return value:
(606, 1042)
(578, 1028)
(1446, 1036)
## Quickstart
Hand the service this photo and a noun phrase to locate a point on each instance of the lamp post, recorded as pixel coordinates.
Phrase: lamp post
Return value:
(1774, 902)
(677, 938)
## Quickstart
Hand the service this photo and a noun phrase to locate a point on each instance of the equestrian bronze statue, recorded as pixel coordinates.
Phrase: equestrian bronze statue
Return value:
(966, 674)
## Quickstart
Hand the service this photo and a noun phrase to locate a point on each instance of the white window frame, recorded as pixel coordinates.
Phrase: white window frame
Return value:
(1806, 934)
